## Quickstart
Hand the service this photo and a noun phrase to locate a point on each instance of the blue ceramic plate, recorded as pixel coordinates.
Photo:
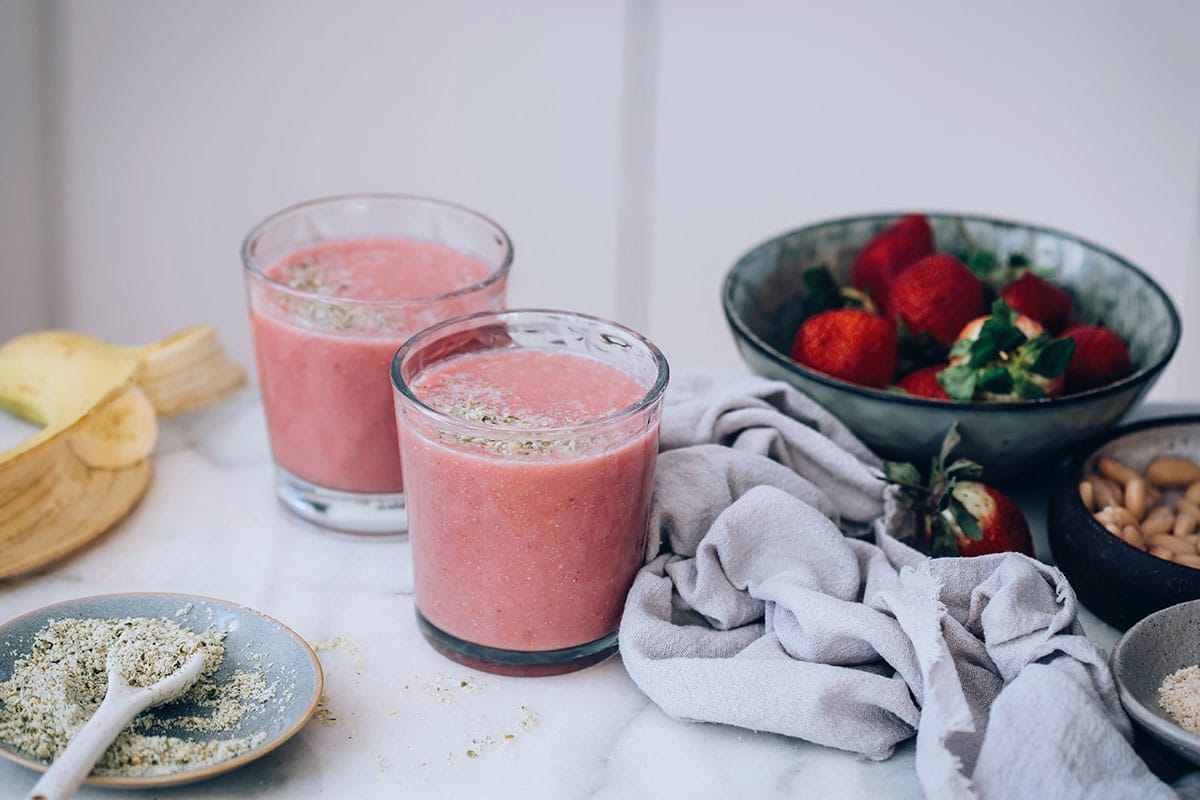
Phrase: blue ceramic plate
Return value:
(254, 642)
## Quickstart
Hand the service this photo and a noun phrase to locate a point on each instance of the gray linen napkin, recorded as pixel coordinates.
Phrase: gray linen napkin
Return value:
(760, 607)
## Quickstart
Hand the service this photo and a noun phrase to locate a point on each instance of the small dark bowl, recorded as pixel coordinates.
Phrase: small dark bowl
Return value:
(1118, 582)
(763, 300)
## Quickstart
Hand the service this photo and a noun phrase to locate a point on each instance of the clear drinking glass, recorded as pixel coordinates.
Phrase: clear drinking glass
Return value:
(529, 440)
(335, 286)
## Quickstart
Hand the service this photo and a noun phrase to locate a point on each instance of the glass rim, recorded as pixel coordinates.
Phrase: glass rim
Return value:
(257, 272)
(648, 400)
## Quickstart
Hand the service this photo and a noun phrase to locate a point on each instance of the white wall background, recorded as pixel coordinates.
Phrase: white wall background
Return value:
(632, 149)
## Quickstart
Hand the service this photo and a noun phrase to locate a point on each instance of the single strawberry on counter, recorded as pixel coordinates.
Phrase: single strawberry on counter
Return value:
(1100, 358)
(959, 515)
(937, 295)
(1036, 297)
(849, 344)
(996, 519)
(1005, 357)
(923, 382)
(888, 253)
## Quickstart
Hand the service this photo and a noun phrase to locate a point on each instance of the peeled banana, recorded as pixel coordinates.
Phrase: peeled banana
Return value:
(98, 405)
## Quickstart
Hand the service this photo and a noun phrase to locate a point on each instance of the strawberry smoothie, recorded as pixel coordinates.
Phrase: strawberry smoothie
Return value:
(528, 478)
(327, 316)
(323, 368)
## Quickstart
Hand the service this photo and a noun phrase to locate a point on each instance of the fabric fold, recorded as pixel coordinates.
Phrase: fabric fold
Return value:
(779, 595)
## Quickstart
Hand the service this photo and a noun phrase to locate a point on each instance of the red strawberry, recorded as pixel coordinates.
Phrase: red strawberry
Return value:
(1101, 357)
(937, 295)
(1040, 299)
(923, 382)
(1001, 525)
(960, 516)
(888, 253)
(848, 344)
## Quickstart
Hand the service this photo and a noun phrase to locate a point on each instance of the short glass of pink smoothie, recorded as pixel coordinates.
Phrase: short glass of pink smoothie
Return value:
(529, 440)
(335, 287)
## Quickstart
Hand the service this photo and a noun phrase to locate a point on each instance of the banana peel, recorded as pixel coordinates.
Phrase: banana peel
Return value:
(98, 405)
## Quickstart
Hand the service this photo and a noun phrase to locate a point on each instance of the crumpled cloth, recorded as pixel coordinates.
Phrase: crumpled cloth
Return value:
(761, 605)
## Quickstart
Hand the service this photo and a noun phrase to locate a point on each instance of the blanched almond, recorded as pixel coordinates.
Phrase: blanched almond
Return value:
(1087, 495)
(1103, 492)
(1125, 517)
(1135, 497)
(1189, 561)
(1173, 472)
(1108, 516)
(1160, 520)
(1131, 535)
(1193, 493)
(1115, 470)
(1153, 496)
(1163, 553)
(1185, 506)
(1118, 491)
(1185, 525)
(1175, 544)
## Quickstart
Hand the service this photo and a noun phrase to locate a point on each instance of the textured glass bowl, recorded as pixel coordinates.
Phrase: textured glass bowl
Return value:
(763, 293)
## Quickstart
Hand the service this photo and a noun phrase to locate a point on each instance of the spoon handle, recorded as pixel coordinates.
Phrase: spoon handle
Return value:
(73, 765)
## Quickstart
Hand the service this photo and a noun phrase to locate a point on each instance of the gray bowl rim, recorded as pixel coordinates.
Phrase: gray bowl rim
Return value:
(1147, 373)
(202, 773)
(1072, 470)
(1164, 728)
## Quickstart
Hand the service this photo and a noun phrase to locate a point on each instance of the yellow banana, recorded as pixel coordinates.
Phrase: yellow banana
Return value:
(97, 404)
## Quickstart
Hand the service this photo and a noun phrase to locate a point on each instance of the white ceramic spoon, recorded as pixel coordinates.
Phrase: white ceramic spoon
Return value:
(121, 704)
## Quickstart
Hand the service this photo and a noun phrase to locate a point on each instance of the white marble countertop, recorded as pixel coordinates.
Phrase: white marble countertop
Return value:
(400, 722)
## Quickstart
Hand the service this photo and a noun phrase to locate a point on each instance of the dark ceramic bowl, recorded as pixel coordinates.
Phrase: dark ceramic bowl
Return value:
(1118, 582)
(763, 296)
(1162, 643)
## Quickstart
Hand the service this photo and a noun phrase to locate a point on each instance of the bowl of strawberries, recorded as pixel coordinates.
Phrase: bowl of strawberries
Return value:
(1030, 340)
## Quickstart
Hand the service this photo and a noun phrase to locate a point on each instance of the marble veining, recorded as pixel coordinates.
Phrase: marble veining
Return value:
(400, 720)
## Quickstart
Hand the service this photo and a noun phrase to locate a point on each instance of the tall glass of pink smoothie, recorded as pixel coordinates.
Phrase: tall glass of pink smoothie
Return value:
(529, 440)
(335, 286)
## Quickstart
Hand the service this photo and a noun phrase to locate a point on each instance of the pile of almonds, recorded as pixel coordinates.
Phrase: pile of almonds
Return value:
(1157, 512)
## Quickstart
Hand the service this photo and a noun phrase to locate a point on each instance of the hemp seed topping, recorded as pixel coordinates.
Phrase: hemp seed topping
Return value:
(59, 684)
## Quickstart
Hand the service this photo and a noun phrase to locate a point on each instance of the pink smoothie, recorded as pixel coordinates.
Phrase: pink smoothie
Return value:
(323, 365)
(528, 543)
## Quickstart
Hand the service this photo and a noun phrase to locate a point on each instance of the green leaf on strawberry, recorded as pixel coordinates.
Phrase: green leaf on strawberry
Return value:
(951, 440)
(963, 518)
(998, 360)
(996, 380)
(1027, 389)
(964, 468)
(941, 540)
(959, 382)
(982, 262)
(822, 293)
(1053, 355)
(902, 473)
